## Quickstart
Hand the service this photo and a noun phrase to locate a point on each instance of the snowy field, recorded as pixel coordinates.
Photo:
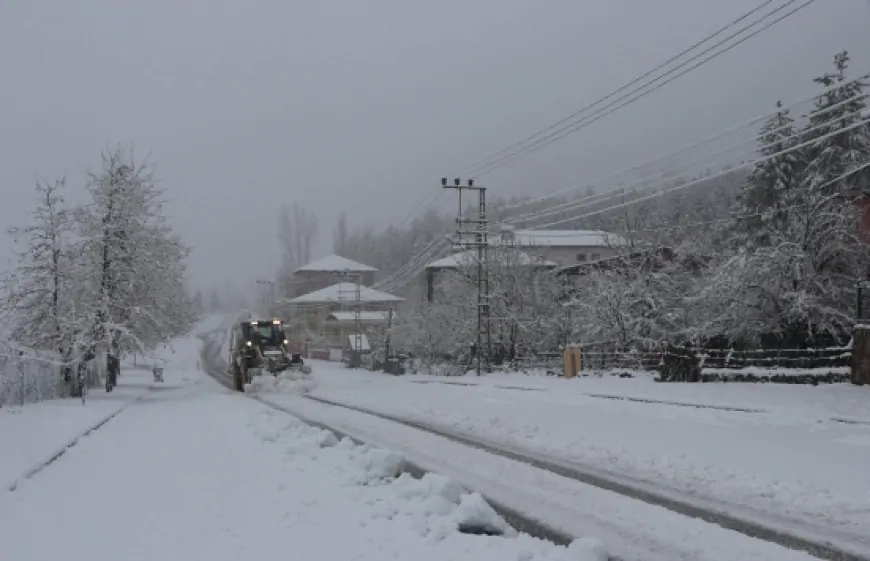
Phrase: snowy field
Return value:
(774, 453)
(193, 472)
(36, 432)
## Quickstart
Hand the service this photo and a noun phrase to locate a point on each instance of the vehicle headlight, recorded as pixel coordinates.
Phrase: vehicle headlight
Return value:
(248, 343)
(286, 341)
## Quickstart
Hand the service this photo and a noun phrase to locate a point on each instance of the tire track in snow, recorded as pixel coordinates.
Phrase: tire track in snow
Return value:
(33, 471)
(514, 518)
(820, 548)
(817, 547)
(214, 367)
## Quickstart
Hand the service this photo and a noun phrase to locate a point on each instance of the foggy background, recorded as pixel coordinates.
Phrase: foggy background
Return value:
(363, 106)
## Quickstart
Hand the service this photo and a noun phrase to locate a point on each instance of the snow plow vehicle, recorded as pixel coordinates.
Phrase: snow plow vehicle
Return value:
(259, 347)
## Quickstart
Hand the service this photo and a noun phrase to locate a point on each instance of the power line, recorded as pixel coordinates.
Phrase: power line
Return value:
(414, 267)
(683, 149)
(388, 280)
(621, 189)
(611, 94)
(575, 205)
(798, 134)
(572, 128)
(711, 177)
(739, 217)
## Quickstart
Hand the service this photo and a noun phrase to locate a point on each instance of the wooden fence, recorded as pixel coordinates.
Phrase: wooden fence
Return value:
(686, 364)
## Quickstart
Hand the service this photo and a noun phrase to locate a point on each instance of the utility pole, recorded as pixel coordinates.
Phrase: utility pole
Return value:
(355, 306)
(387, 336)
(480, 242)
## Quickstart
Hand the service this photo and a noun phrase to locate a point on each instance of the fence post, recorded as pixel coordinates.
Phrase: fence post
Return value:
(861, 355)
(571, 358)
(860, 371)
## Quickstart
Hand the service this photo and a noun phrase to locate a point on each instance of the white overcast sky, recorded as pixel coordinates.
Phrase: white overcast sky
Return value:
(363, 105)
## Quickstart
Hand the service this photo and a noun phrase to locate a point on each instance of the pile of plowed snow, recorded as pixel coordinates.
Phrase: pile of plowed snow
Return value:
(394, 504)
(290, 381)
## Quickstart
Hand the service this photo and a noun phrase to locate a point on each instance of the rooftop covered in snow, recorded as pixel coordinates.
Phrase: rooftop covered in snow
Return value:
(344, 292)
(335, 264)
(365, 316)
(557, 238)
(468, 258)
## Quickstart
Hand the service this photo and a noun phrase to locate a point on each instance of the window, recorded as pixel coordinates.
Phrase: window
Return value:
(581, 257)
(596, 256)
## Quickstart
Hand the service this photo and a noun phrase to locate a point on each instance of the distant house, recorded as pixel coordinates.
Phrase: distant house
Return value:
(330, 312)
(651, 257)
(547, 249)
(341, 325)
(563, 247)
(468, 259)
(325, 272)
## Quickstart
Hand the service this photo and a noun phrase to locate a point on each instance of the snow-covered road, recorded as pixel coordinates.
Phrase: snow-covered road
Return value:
(192, 471)
(632, 530)
(786, 462)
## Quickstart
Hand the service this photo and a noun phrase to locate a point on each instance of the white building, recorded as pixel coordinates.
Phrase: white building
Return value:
(330, 312)
(546, 248)
(327, 271)
(563, 247)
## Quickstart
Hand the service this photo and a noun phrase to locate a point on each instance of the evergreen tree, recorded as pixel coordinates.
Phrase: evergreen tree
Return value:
(770, 182)
(836, 155)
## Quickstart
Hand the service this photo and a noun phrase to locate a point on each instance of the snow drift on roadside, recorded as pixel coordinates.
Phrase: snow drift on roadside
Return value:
(433, 506)
(289, 381)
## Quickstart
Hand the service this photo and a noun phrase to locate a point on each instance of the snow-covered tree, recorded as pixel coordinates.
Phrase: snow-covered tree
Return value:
(297, 230)
(132, 265)
(796, 282)
(340, 235)
(38, 291)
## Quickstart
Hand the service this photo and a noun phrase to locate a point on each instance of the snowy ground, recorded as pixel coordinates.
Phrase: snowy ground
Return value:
(195, 474)
(191, 471)
(630, 529)
(786, 461)
(35, 433)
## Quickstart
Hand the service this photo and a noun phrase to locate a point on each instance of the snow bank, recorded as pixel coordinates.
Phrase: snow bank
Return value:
(814, 376)
(289, 381)
(769, 450)
(434, 506)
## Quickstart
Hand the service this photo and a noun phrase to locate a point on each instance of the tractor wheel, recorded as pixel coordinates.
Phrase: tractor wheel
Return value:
(237, 378)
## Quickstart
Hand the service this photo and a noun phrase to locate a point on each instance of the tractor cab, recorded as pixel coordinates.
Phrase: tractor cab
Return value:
(267, 336)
